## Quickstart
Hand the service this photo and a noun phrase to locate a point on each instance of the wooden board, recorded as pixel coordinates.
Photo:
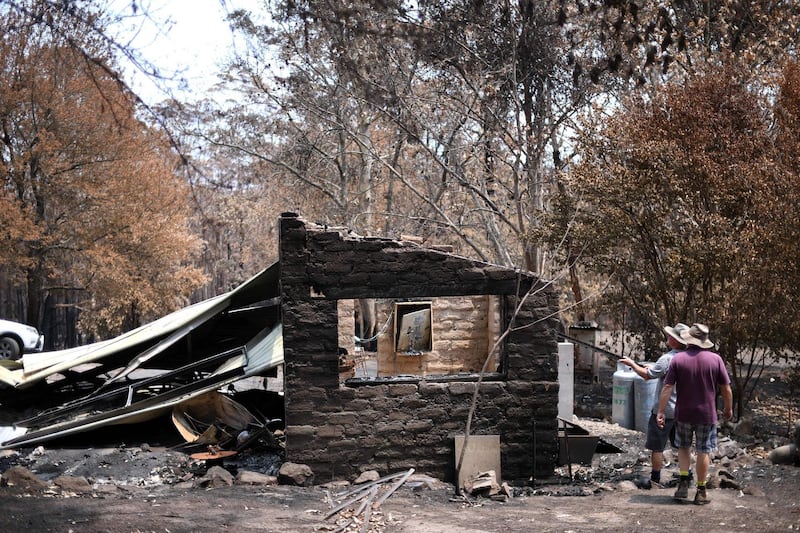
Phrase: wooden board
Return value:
(483, 454)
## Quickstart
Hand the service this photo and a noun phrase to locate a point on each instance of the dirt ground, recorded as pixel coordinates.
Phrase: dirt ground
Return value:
(143, 488)
(290, 509)
(770, 502)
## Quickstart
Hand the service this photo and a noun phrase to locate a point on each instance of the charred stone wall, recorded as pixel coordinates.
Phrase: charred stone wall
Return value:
(395, 424)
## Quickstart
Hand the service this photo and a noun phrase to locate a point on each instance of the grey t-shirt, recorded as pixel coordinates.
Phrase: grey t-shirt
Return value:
(657, 371)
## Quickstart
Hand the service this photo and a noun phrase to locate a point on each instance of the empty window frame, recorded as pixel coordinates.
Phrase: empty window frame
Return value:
(438, 338)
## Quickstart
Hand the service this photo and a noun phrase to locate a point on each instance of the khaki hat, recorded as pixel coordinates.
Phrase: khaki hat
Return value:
(675, 332)
(697, 335)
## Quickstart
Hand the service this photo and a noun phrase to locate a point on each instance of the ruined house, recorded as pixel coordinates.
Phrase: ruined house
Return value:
(407, 413)
(444, 325)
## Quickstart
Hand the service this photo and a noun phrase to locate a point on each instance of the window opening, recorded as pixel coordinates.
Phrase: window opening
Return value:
(439, 338)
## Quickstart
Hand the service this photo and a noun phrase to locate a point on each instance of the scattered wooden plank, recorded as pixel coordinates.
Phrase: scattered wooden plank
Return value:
(364, 486)
(367, 494)
(394, 487)
(366, 508)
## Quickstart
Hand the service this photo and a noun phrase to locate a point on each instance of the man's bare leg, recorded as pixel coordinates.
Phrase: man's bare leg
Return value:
(657, 461)
(685, 460)
(703, 462)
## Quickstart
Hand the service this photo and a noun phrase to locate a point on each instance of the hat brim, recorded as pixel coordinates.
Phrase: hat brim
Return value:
(672, 332)
(689, 340)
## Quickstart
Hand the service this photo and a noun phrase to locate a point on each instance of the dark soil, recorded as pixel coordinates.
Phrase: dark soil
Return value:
(151, 488)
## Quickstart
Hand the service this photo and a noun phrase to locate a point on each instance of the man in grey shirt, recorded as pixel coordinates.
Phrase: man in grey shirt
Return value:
(659, 437)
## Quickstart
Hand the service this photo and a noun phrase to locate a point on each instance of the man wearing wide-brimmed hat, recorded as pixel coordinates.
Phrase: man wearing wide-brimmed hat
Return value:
(659, 436)
(695, 374)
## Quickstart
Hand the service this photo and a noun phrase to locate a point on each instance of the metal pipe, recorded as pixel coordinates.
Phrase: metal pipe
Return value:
(592, 346)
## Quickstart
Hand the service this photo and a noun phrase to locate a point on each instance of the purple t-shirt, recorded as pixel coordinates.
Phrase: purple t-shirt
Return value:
(696, 373)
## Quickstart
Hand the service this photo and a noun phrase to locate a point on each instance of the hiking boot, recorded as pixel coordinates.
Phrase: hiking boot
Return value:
(683, 490)
(701, 498)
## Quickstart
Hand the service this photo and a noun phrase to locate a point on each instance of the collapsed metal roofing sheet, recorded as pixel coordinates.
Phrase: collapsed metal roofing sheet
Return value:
(263, 353)
(34, 367)
(122, 398)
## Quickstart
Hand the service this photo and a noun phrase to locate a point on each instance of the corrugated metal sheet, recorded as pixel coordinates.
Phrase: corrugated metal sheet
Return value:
(38, 366)
(264, 353)
(122, 399)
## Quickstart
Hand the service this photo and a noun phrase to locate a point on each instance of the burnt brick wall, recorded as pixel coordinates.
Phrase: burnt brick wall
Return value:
(388, 426)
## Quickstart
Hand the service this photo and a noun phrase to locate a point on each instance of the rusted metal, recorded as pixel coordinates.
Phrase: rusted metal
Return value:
(213, 456)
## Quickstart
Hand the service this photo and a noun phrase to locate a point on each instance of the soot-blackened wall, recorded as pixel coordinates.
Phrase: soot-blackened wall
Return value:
(395, 424)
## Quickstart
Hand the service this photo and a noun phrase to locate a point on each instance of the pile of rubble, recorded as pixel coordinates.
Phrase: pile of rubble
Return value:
(735, 465)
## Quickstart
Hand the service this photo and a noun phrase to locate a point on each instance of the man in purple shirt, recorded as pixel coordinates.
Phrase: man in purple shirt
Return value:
(695, 375)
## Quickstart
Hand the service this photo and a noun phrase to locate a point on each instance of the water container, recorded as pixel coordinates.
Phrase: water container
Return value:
(644, 400)
(622, 401)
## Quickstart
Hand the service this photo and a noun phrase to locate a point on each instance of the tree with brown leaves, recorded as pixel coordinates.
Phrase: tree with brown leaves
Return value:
(687, 202)
(96, 217)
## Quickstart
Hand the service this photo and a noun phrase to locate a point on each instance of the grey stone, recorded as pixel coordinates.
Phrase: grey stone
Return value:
(248, 477)
(296, 474)
(215, 477)
(369, 475)
(77, 484)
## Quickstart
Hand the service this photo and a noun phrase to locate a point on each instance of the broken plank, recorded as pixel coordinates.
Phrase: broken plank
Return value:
(394, 487)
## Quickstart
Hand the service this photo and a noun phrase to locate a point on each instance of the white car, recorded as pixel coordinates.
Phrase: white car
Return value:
(16, 339)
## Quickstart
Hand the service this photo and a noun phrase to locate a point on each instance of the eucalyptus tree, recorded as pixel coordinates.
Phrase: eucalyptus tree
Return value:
(686, 200)
(625, 47)
(97, 218)
(438, 119)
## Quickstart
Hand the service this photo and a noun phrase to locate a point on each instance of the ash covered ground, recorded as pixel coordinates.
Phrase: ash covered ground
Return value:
(142, 481)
